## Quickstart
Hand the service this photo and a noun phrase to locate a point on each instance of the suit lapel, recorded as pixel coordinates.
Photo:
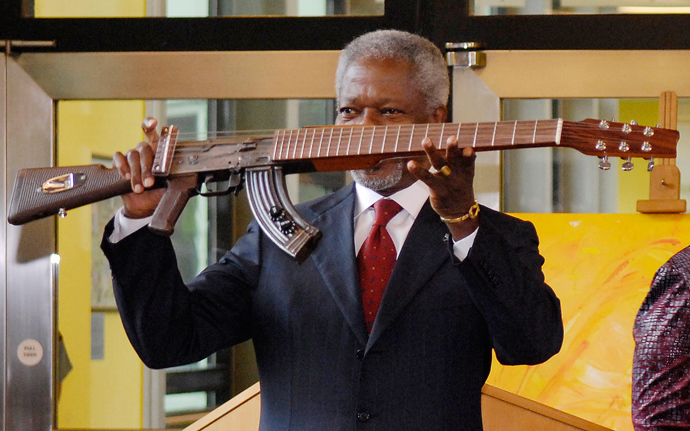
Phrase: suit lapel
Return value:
(335, 259)
(423, 252)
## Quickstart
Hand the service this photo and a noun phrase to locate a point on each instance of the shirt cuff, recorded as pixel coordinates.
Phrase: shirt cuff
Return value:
(461, 247)
(124, 226)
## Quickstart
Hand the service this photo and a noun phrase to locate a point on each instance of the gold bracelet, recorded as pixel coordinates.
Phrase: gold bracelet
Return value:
(472, 213)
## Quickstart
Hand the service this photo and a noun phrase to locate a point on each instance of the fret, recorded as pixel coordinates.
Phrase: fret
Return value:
(457, 135)
(371, 144)
(287, 146)
(361, 137)
(476, 130)
(330, 139)
(512, 140)
(493, 137)
(311, 144)
(349, 141)
(278, 151)
(440, 139)
(301, 150)
(294, 149)
(397, 138)
(383, 141)
(340, 139)
(409, 145)
(534, 136)
(318, 151)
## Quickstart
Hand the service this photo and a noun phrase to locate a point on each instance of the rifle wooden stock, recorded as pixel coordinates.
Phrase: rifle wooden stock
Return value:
(33, 198)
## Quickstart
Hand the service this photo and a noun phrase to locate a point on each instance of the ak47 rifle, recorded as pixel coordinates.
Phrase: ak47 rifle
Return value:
(259, 163)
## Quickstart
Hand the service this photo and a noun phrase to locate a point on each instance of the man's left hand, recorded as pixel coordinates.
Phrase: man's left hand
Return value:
(450, 179)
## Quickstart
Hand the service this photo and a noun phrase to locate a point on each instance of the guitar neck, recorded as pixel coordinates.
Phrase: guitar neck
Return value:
(402, 140)
(338, 148)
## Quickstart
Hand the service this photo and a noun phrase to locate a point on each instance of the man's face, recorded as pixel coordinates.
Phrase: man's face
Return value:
(380, 92)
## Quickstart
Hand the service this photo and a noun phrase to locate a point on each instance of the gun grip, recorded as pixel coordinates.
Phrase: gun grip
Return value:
(179, 190)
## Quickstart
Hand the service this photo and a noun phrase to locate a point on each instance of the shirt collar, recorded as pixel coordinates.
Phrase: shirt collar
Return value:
(411, 199)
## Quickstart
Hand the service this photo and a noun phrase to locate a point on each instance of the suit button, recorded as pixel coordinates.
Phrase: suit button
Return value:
(363, 416)
(359, 354)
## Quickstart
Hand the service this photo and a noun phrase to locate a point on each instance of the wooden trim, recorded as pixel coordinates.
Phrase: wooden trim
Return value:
(238, 401)
(570, 421)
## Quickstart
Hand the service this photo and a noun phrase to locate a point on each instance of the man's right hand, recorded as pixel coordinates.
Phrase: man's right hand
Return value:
(136, 167)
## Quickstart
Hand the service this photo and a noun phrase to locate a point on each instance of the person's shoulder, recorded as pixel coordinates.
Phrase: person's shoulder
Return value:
(680, 260)
(324, 203)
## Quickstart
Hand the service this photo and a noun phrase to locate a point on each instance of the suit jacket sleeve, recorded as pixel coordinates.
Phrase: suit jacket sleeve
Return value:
(170, 323)
(504, 278)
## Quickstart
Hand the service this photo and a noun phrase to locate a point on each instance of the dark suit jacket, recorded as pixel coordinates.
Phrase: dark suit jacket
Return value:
(429, 353)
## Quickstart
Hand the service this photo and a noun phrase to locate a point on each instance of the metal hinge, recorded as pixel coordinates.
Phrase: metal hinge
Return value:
(465, 54)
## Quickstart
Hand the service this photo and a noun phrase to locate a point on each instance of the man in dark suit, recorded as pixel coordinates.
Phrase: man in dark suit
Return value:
(465, 279)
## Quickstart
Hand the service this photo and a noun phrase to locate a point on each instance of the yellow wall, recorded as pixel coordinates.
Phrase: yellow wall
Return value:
(89, 9)
(100, 393)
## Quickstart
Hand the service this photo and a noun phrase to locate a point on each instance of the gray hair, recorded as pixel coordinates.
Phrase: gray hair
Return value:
(431, 71)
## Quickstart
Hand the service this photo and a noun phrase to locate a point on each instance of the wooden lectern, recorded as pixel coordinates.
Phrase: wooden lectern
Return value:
(501, 411)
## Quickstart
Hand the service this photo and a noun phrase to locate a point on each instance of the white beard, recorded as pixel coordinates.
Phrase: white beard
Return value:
(378, 184)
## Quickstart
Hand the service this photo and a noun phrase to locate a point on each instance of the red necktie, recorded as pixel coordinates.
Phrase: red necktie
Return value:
(376, 259)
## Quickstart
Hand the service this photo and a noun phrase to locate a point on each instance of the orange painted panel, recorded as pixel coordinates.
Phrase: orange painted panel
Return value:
(601, 267)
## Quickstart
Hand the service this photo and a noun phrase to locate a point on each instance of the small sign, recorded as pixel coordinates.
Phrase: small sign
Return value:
(30, 352)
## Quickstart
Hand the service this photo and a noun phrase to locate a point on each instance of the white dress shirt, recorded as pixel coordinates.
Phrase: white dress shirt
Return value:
(411, 200)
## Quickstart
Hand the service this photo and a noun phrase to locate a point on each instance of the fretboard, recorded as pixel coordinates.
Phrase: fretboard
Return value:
(323, 142)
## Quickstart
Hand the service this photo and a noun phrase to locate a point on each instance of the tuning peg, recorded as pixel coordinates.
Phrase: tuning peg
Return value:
(603, 124)
(623, 147)
(604, 163)
(626, 128)
(627, 165)
(650, 165)
(648, 131)
(633, 122)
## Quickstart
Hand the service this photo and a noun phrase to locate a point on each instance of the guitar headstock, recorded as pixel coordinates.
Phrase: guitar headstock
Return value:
(606, 139)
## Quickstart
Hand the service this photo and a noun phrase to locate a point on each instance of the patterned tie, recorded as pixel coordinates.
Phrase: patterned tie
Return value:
(376, 259)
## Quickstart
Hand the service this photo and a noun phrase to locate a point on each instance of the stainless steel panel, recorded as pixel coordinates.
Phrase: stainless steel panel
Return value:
(3, 233)
(29, 273)
(185, 75)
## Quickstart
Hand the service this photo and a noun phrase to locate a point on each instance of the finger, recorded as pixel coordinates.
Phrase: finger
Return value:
(120, 163)
(459, 156)
(149, 126)
(436, 160)
(419, 171)
(146, 156)
(133, 159)
(451, 150)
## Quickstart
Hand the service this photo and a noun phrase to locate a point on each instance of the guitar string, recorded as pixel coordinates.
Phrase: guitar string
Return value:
(543, 132)
(483, 128)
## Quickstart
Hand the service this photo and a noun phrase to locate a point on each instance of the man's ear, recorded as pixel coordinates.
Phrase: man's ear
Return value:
(439, 115)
